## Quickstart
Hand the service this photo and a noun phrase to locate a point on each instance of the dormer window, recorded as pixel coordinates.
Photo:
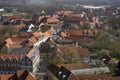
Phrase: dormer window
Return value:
(14, 60)
(8, 60)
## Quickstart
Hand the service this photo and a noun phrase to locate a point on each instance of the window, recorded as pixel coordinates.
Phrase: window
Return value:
(23, 59)
(11, 65)
(27, 59)
(15, 65)
(18, 64)
(8, 65)
(23, 63)
(14, 60)
(1, 60)
(1, 65)
(29, 63)
(8, 60)
(4, 65)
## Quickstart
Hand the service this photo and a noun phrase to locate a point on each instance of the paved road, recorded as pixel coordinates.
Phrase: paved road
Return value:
(41, 74)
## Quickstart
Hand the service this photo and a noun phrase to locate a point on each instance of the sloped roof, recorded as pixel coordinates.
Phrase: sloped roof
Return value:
(52, 19)
(8, 77)
(65, 12)
(53, 68)
(80, 51)
(15, 39)
(25, 75)
(11, 56)
(13, 45)
(33, 39)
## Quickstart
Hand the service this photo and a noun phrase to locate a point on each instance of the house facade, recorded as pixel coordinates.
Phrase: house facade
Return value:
(10, 63)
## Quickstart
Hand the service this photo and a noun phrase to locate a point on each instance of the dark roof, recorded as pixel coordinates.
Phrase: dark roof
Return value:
(64, 41)
(53, 68)
(63, 73)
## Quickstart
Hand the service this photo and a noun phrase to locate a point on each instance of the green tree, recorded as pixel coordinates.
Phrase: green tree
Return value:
(85, 26)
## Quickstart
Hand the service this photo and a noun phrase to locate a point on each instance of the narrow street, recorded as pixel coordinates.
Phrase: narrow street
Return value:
(41, 67)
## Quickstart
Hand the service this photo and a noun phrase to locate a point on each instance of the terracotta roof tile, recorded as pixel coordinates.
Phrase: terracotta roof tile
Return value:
(82, 51)
(8, 77)
(21, 74)
(13, 45)
(65, 12)
(11, 56)
(76, 35)
(33, 39)
(52, 19)
(18, 26)
(36, 34)
(25, 75)
(30, 53)
(74, 15)
(92, 77)
(71, 66)
(15, 39)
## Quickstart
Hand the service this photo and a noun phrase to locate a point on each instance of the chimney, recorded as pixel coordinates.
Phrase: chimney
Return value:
(76, 44)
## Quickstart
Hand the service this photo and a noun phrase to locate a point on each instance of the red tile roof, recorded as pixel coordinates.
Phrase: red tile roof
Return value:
(33, 39)
(36, 34)
(13, 45)
(14, 42)
(11, 56)
(25, 75)
(20, 75)
(8, 77)
(15, 39)
(80, 51)
(30, 53)
(92, 77)
(78, 34)
(71, 66)
(74, 15)
(52, 20)
(65, 12)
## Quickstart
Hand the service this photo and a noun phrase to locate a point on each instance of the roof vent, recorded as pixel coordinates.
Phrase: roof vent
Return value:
(60, 72)
(64, 76)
